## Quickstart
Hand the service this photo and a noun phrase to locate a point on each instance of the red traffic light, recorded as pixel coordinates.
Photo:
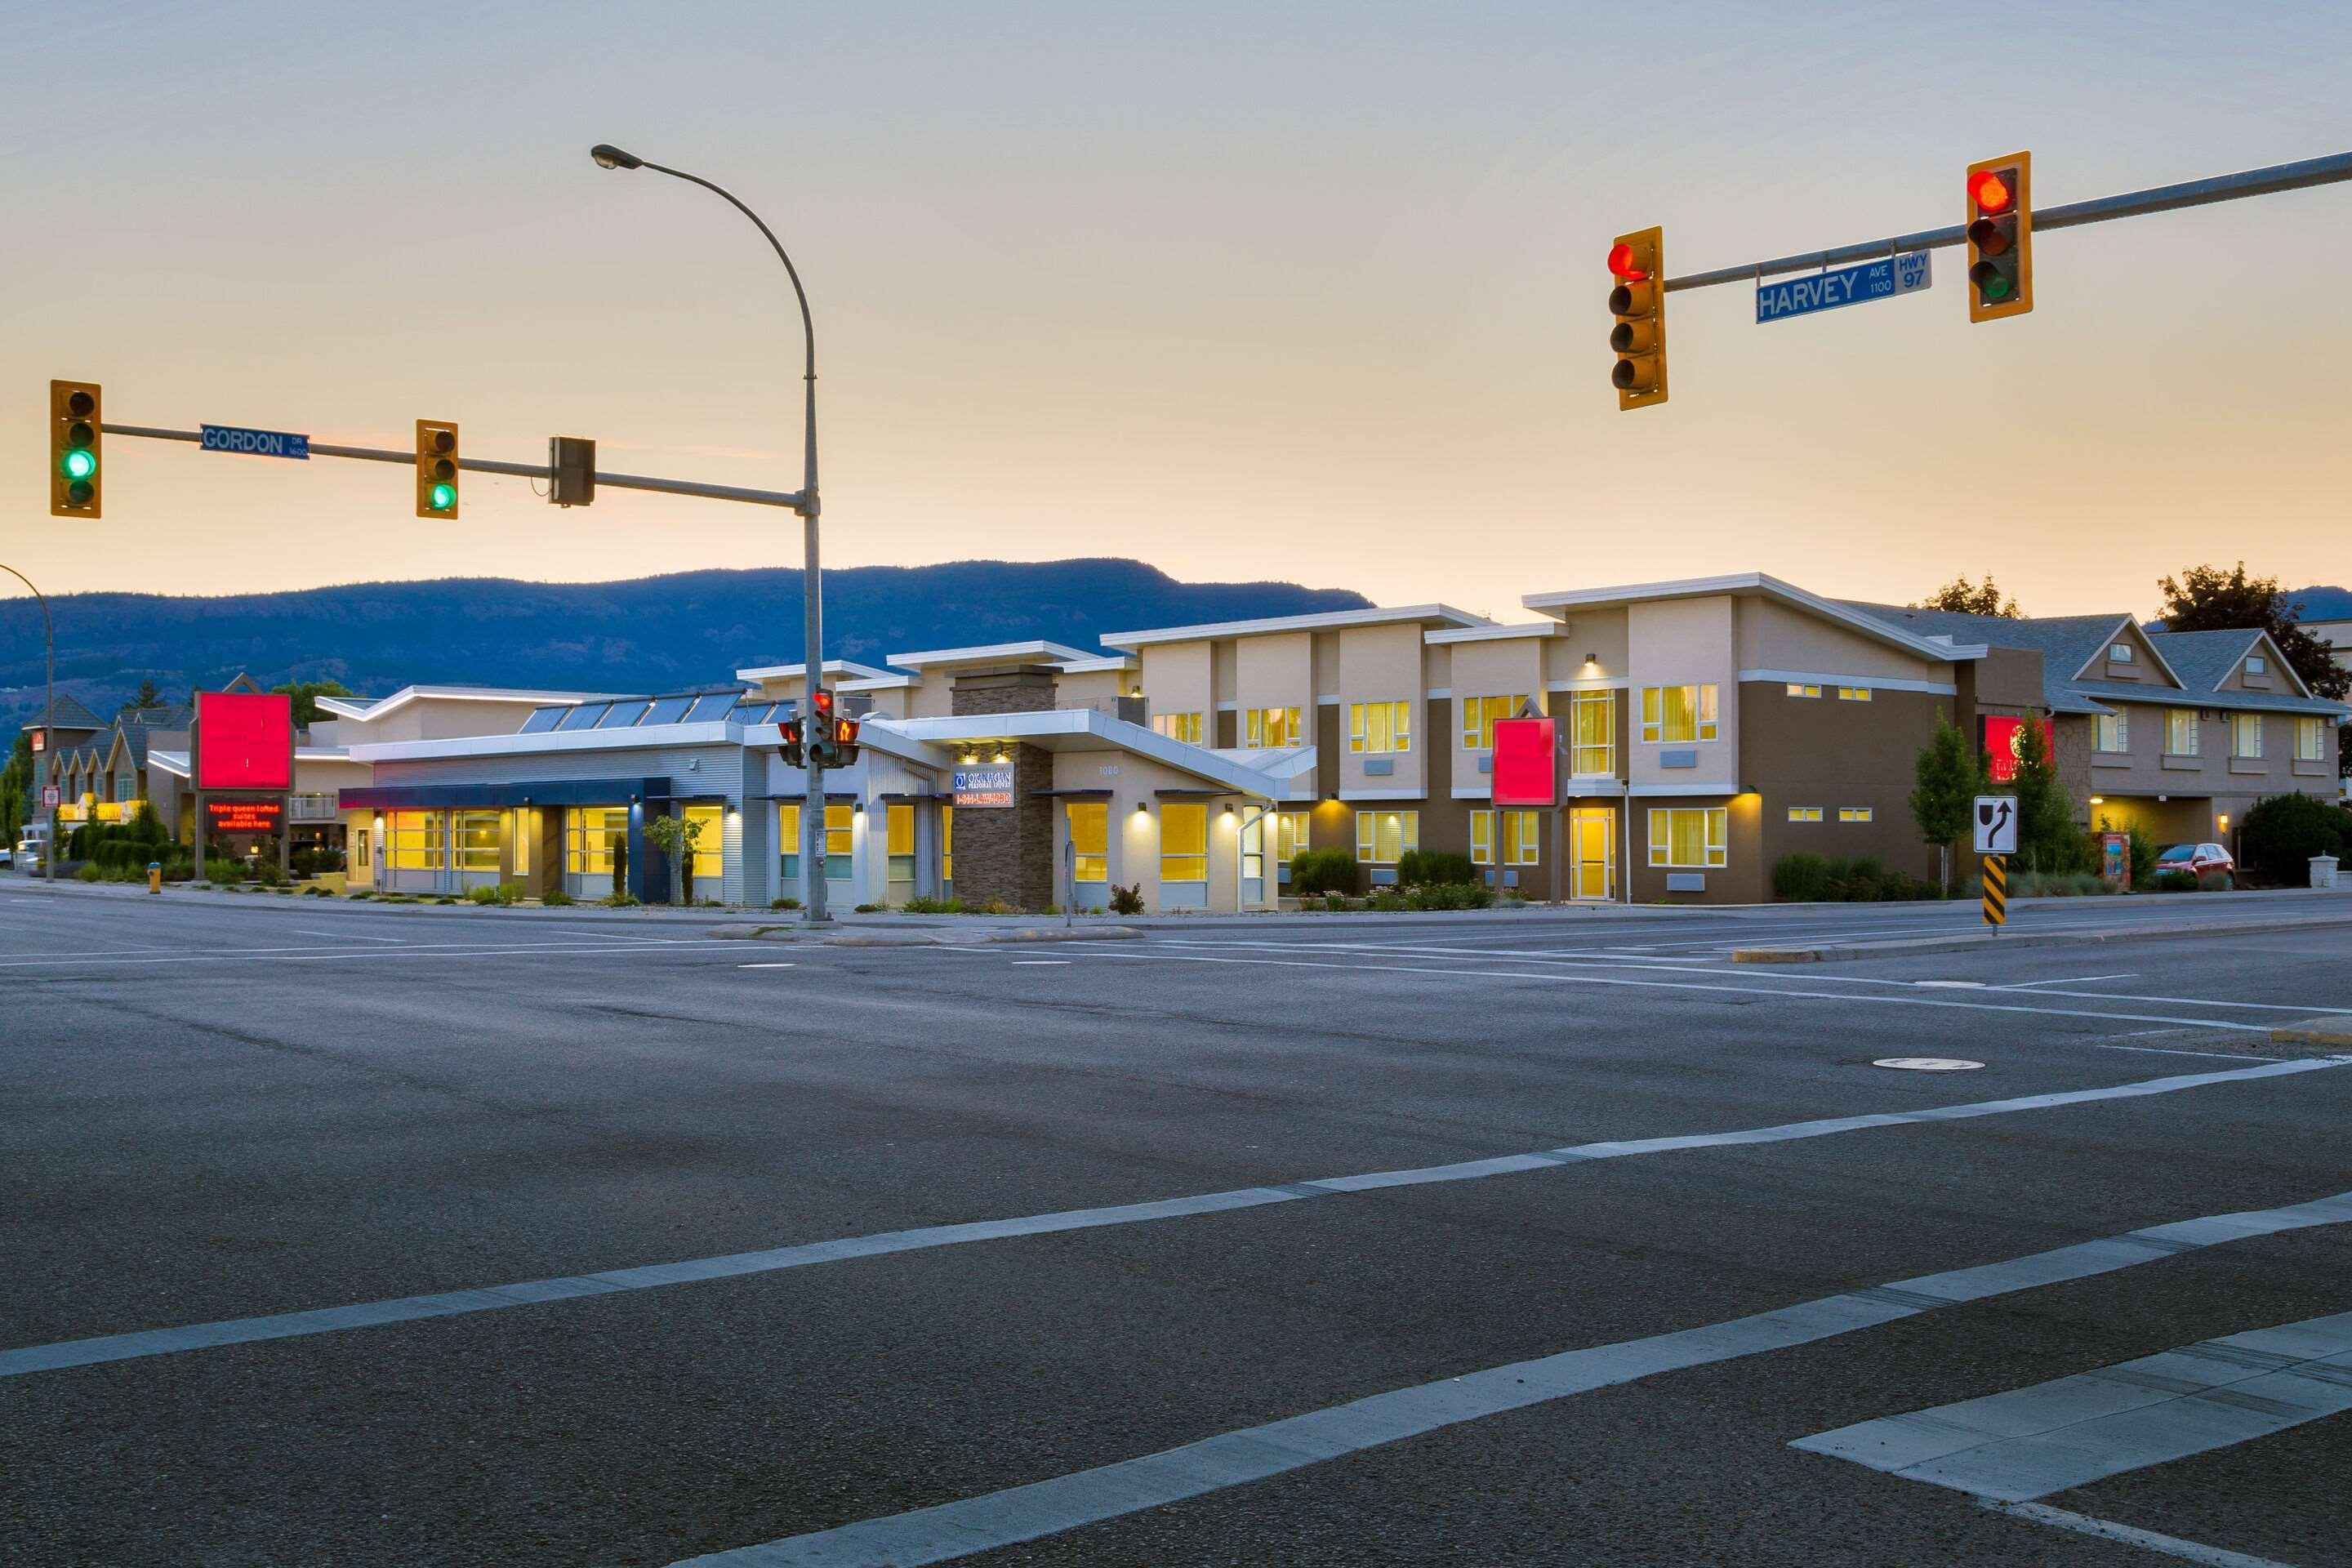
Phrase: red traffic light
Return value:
(845, 732)
(822, 702)
(1989, 192)
(1622, 264)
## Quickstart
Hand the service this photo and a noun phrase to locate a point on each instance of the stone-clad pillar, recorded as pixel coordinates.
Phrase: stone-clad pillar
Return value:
(1007, 852)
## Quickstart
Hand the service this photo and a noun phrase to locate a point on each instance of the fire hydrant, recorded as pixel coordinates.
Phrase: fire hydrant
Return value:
(155, 876)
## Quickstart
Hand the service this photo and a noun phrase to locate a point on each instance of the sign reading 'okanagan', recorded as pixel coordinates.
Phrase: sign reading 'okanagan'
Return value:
(983, 786)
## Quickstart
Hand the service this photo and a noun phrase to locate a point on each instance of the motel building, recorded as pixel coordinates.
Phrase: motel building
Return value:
(1705, 728)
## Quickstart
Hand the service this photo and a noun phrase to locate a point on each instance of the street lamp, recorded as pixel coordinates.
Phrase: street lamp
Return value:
(813, 833)
(48, 720)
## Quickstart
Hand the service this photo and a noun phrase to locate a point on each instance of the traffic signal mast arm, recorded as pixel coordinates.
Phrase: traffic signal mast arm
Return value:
(2333, 169)
(540, 470)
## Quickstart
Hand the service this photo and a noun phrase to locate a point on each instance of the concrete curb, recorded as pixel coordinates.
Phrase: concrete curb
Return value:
(800, 934)
(2336, 1031)
(2011, 940)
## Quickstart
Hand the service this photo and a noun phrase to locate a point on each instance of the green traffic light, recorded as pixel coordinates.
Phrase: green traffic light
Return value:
(1996, 287)
(444, 497)
(80, 464)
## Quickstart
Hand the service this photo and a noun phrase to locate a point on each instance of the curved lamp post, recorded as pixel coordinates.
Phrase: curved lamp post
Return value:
(48, 720)
(813, 830)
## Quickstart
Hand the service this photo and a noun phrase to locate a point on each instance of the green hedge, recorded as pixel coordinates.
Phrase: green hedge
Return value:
(2282, 832)
(1316, 871)
(1432, 867)
(1812, 879)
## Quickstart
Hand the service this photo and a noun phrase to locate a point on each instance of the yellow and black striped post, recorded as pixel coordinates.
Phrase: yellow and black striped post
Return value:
(1996, 890)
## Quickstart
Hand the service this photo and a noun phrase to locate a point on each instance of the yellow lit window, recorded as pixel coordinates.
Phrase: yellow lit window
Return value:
(1522, 838)
(522, 833)
(1674, 714)
(1289, 835)
(1184, 842)
(2245, 735)
(1804, 814)
(946, 844)
(838, 837)
(2180, 732)
(2310, 741)
(1594, 745)
(412, 840)
(477, 840)
(590, 833)
(1478, 716)
(1272, 727)
(1854, 693)
(2112, 732)
(1090, 839)
(1854, 814)
(1380, 727)
(1383, 836)
(1185, 727)
(1693, 836)
(1254, 849)
(788, 837)
(902, 830)
(1802, 689)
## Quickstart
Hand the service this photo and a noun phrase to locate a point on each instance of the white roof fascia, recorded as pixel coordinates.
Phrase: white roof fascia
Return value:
(173, 762)
(1771, 587)
(408, 694)
(2098, 655)
(2279, 661)
(346, 706)
(1091, 723)
(1329, 620)
(1119, 662)
(635, 738)
(800, 671)
(322, 754)
(1493, 634)
(989, 653)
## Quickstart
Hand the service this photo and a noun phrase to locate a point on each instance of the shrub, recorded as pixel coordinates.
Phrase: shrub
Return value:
(503, 896)
(2282, 832)
(358, 893)
(2175, 882)
(786, 903)
(998, 906)
(1387, 902)
(870, 909)
(1450, 896)
(1325, 872)
(557, 898)
(920, 904)
(90, 872)
(221, 869)
(1417, 867)
(1802, 879)
(1127, 900)
(2055, 884)
(619, 899)
(318, 892)
(268, 874)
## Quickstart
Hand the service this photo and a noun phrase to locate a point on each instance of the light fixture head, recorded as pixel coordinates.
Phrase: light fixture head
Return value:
(608, 156)
(1002, 757)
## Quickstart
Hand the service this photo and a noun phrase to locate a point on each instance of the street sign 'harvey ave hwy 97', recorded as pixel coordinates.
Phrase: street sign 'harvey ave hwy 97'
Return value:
(1857, 285)
(260, 443)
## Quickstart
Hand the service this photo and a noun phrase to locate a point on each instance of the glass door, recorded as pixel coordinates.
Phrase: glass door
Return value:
(1591, 833)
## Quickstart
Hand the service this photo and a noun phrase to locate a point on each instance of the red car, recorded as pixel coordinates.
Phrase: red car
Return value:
(2206, 862)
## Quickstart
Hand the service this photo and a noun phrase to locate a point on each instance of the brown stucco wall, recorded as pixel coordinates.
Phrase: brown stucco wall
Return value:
(1819, 750)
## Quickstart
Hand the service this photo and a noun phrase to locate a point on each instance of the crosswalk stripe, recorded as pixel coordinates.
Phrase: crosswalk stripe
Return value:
(1007, 1518)
(63, 1354)
(2030, 1443)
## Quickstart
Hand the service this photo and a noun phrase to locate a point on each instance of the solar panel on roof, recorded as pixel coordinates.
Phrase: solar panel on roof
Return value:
(542, 720)
(713, 706)
(751, 712)
(624, 715)
(665, 709)
(583, 717)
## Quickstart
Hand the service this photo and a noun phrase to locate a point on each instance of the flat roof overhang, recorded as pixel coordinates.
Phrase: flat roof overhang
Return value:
(504, 792)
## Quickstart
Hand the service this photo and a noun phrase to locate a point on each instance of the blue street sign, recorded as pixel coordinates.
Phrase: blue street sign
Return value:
(259, 443)
(1857, 285)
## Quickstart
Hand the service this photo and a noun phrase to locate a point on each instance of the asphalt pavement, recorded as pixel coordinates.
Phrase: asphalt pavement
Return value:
(349, 1236)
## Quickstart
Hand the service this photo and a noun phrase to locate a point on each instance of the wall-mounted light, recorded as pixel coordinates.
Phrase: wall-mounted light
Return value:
(1142, 806)
(2098, 800)
(2225, 820)
(1591, 660)
(970, 758)
(857, 808)
(1229, 809)
(1002, 757)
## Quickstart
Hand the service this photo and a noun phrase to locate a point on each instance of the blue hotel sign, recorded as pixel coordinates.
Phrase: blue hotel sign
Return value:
(983, 786)
(1857, 285)
(254, 443)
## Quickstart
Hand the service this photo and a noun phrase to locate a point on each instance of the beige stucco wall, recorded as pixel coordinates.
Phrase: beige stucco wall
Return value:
(1679, 642)
(1090, 688)
(1132, 841)
(1176, 678)
(439, 719)
(1276, 671)
(1775, 636)
(1505, 667)
(1599, 633)
(1383, 664)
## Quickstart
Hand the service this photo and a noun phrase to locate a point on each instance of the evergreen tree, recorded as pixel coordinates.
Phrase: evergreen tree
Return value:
(1969, 598)
(306, 695)
(1950, 775)
(2047, 838)
(147, 697)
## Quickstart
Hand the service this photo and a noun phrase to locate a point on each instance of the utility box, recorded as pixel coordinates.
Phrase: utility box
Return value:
(2323, 871)
(2114, 860)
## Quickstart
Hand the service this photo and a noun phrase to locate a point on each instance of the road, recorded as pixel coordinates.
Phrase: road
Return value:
(348, 1235)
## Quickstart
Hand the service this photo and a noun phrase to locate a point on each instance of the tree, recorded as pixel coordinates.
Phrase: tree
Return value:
(2282, 832)
(2047, 838)
(2208, 599)
(16, 786)
(1950, 775)
(306, 695)
(675, 838)
(146, 697)
(1971, 599)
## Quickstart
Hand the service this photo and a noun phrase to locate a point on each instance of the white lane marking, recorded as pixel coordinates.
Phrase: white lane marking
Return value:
(1047, 962)
(1927, 1064)
(2147, 1540)
(764, 966)
(407, 1309)
(2071, 980)
(2165, 1050)
(1586, 977)
(2028, 1443)
(2299, 1008)
(312, 955)
(345, 935)
(1237, 1457)
(1954, 984)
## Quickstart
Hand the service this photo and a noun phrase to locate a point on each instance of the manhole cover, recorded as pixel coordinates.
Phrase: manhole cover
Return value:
(1927, 1064)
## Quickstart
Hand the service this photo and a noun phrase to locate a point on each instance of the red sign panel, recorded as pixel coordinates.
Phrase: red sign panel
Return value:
(2001, 733)
(244, 815)
(1527, 761)
(40, 742)
(245, 741)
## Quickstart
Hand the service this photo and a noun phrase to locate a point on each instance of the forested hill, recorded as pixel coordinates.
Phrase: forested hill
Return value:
(641, 634)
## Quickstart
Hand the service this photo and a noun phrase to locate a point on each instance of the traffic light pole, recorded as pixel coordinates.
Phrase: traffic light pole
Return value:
(48, 722)
(2265, 182)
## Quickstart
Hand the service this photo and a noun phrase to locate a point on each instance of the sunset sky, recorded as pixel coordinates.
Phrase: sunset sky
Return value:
(1310, 291)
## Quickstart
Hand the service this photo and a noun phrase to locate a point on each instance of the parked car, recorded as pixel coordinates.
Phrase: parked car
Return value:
(2206, 862)
(7, 855)
(30, 850)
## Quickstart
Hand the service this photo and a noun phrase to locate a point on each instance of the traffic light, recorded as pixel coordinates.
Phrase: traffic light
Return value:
(2001, 237)
(1638, 262)
(75, 435)
(843, 749)
(820, 727)
(436, 468)
(792, 734)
